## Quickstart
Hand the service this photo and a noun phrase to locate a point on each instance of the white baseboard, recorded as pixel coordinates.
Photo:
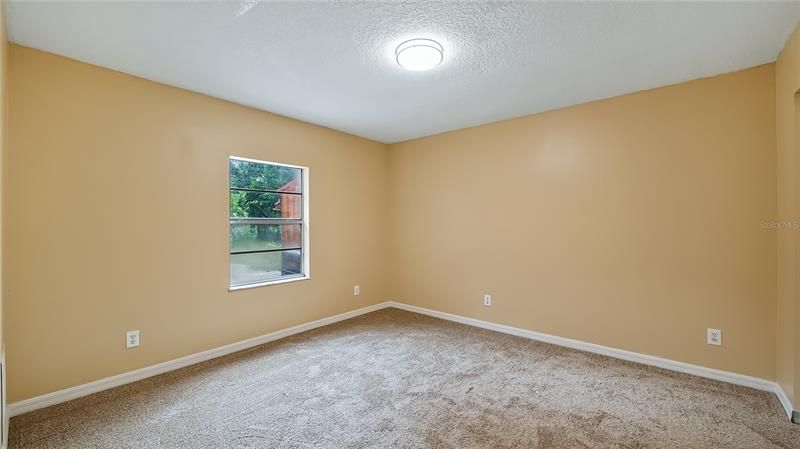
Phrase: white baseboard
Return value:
(785, 401)
(69, 394)
(3, 384)
(687, 368)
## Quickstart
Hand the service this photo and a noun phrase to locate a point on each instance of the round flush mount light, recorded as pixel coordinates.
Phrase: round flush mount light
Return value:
(419, 54)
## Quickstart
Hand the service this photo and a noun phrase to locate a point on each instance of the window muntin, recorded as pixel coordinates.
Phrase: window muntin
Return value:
(268, 241)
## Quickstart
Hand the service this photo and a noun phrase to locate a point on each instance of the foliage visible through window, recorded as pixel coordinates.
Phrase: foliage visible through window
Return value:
(267, 222)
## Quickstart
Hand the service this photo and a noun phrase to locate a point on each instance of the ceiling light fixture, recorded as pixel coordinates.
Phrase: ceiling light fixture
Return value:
(419, 54)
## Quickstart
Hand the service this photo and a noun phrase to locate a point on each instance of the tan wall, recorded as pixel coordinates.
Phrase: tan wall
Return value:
(633, 222)
(117, 219)
(3, 146)
(787, 84)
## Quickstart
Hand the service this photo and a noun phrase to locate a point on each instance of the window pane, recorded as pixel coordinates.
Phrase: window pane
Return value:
(265, 205)
(263, 267)
(248, 237)
(254, 175)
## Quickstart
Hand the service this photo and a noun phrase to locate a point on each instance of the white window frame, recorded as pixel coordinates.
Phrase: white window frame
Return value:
(305, 230)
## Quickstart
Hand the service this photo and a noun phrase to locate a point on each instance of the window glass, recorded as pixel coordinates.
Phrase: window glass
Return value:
(267, 227)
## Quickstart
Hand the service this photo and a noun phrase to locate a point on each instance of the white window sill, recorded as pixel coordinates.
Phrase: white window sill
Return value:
(264, 284)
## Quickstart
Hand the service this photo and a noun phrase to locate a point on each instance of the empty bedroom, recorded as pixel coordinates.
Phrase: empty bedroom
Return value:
(388, 224)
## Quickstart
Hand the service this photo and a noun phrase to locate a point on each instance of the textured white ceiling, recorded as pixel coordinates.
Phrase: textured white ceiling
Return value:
(333, 63)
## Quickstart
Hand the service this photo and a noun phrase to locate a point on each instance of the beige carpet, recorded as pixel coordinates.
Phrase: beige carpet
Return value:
(393, 379)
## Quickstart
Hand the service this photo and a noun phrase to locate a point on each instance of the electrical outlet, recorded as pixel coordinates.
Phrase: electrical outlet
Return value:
(715, 337)
(356, 290)
(132, 339)
(487, 300)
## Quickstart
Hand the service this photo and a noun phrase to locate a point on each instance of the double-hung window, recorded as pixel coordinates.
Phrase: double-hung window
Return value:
(268, 222)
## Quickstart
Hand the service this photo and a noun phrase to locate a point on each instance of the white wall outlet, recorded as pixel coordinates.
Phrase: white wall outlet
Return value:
(487, 300)
(132, 339)
(356, 290)
(715, 337)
